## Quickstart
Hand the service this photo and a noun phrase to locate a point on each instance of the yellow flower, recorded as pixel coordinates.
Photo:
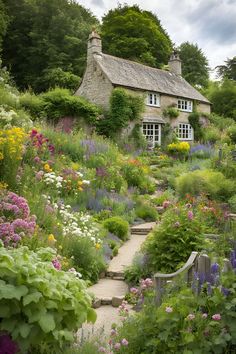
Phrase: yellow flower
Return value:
(47, 167)
(51, 238)
(1, 156)
(98, 246)
(75, 166)
(80, 183)
(3, 185)
(80, 189)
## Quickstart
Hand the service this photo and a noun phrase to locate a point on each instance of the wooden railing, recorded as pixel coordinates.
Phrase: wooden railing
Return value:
(199, 263)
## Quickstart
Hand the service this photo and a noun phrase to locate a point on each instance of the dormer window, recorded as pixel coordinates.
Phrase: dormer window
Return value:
(185, 105)
(153, 99)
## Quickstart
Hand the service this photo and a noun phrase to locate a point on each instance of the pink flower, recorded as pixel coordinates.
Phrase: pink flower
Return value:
(169, 309)
(204, 315)
(113, 332)
(56, 264)
(134, 291)
(117, 346)
(124, 342)
(177, 224)
(39, 175)
(37, 159)
(191, 317)
(102, 350)
(166, 203)
(190, 215)
(216, 317)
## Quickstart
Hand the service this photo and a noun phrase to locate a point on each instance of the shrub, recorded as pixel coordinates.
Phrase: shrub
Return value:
(136, 176)
(171, 243)
(171, 112)
(166, 195)
(194, 121)
(211, 134)
(146, 212)
(232, 203)
(32, 103)
(40, 304)
(59, 103)
(180, 149)
(212, 183)
(231, 131)
(87, 257)
(117, 226)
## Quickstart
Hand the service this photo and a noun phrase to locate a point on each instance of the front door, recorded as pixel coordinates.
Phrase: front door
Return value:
(152, 133)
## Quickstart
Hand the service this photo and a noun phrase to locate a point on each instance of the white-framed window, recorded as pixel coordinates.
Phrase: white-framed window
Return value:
(152, 133)
(184, 131)
(185, 105)
(153, 99)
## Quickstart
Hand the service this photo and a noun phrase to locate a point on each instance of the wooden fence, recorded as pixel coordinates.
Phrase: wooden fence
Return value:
(197, 263)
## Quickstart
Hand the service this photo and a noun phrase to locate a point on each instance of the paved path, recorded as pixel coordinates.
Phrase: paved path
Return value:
(112, 289)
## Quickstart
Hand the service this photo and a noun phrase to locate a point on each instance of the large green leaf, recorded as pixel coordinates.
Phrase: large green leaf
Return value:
(92, 316)
(24, 330)
(34, 297)
(47, 322)
(8, 291)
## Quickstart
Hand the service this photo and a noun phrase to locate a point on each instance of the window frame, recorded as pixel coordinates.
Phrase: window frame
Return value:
(184, 105)
(152, 129)
(186, 131)
(152, 95)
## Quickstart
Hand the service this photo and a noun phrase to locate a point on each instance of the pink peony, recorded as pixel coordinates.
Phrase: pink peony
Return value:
(216, 317)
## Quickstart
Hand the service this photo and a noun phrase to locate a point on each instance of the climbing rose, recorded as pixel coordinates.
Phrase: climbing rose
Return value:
(216, 317)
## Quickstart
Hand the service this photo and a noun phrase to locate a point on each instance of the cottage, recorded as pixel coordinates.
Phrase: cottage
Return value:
(161, 90)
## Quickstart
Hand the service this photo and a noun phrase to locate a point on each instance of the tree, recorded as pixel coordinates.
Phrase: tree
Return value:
(44, 35)
(227, 71)
(194, 64)
(3, 22)
(131, 33)
(223, 98)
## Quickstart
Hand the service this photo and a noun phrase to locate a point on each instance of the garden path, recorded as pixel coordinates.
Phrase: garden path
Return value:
(110, 291)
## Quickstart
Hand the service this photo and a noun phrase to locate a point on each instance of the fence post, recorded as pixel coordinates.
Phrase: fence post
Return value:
(159, 288)
(204, 265)
(227, 266)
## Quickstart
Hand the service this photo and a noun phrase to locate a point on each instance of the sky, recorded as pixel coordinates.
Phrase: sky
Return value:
(211, 24)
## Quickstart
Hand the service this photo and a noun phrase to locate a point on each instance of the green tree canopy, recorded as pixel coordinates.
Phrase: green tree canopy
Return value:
(3, 22)
(194, 64)
(131, 33)
(227, 71)
(223, 98)
(44, 35)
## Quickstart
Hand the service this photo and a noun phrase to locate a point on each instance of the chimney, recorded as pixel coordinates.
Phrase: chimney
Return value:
(94, 44)
(175, 63)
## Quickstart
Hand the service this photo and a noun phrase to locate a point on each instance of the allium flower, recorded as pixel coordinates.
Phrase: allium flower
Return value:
(190, 215)
(124, 342)
(169, 309)
(102, 350)
(216, 317)
(134, 291)
(191, 317)
(117, 346)
(113, 332)
(177, 224)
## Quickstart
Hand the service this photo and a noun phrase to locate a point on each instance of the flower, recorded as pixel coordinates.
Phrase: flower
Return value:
(215, 268)
(47, 167)
(134, 291)
(117, 346)
(102, 350)
(113, 332)
(190, 215)
(204, 315)
(166, 203)
(169, 309)
(51, 238)
(56, 263)
(177, 224)
(124, 342)
(97, 246)
(190, 317)
(216, 317)
(7, 346)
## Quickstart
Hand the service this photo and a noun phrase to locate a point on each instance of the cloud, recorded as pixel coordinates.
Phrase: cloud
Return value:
(98, 3)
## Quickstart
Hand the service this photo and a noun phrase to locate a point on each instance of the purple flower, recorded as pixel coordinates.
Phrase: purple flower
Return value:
(7, 345)
(117, 346)
(56, 263)
(37, 159)
(134, 291)
(102, 350)
(215, 268)
(124, 342)
(225, 291)
(177, 224)
(216, 317)
(190, 215)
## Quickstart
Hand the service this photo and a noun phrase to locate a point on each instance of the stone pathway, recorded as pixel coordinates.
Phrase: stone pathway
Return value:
(109, 292)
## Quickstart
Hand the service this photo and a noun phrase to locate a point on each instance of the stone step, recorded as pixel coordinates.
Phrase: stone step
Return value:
(115, 275)
(140, 232)
(108, 292)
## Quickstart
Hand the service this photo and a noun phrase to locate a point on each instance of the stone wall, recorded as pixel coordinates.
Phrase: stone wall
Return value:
(95, 86)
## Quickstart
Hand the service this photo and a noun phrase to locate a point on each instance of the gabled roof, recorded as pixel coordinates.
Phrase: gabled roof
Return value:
(128, 73)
